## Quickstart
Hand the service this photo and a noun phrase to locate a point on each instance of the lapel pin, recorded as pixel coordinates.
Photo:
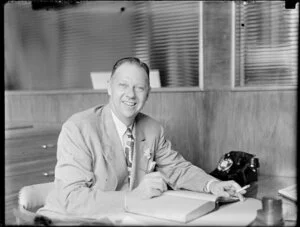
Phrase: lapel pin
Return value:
(147, 153)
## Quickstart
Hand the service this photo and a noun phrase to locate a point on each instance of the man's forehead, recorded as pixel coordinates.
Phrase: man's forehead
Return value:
(127, 68)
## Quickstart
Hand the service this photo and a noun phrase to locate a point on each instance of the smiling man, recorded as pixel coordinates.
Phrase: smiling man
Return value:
(128, 89)
(110, 153)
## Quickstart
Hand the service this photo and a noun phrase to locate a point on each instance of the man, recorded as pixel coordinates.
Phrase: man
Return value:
(110, 153)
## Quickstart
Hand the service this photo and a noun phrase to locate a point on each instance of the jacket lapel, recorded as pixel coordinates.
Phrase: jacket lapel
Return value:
(140, 161)
(113, 150)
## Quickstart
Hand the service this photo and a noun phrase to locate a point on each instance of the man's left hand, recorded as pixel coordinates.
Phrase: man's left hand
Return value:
(227, 189)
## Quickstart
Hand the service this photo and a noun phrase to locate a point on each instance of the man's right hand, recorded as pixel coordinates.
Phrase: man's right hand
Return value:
(152, 185)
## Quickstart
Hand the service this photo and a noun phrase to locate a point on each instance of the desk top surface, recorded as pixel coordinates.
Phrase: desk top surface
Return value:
(234, 214)
(266, 186)
(269, 185)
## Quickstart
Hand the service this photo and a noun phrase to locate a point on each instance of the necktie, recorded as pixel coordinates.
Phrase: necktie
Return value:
(129, 147)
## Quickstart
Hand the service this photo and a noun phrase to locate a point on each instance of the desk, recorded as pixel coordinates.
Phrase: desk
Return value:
(269, 185)
(26, 161)
(236, 214)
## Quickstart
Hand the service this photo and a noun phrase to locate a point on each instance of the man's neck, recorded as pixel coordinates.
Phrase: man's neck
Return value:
(126, 122)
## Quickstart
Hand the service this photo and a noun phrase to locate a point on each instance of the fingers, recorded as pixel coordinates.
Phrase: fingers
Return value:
(241, 198)
(157, 181)
(161, 186)
(227, 189)
(222, 193)
(237, 187)
(155, 192)
(152, 185)
(234, 190)
(231, 187)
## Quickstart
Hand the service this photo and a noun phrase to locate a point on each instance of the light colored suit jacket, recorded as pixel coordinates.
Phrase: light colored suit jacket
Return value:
(91, 167)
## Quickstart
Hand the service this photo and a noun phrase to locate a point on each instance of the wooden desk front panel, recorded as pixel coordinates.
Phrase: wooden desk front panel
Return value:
(25, 164)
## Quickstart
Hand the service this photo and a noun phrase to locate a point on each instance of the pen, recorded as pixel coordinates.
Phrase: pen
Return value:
(243, 188)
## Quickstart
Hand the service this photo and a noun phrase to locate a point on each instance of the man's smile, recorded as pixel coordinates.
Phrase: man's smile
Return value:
(129, 103)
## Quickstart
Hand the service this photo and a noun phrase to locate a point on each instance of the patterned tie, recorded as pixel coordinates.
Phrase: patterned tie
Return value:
(129, 147)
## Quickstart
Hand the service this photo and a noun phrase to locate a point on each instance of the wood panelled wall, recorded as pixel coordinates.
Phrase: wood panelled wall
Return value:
(201, 125)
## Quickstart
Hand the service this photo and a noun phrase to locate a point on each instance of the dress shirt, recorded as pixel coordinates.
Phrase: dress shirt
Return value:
(122, 128)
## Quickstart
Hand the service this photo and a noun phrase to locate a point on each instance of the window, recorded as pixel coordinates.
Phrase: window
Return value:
(64, 45)
(167, 36)
(266, 44)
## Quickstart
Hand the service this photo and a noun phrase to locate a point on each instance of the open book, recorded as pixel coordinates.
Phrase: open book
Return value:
(181, 206)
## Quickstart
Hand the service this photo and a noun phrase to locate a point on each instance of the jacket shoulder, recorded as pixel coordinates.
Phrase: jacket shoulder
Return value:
(88, 116)
(148, 122)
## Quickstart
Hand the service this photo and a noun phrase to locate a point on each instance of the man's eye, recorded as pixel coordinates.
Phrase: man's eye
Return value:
(123, 85)
(140, 89)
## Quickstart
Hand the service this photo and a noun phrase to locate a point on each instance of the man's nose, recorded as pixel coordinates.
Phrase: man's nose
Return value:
(130, 92)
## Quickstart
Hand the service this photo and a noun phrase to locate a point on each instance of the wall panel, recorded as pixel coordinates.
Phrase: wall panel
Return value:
(201, 125)
(217, 44)
(178, 114)
(261, 123)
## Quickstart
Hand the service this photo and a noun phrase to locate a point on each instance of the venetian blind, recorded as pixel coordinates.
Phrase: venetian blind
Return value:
(88, 37)
(266, 44)
(30, 47)
(94, 35)
(166, 35)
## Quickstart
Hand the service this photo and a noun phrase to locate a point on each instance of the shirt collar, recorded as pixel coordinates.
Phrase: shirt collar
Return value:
(121, 127)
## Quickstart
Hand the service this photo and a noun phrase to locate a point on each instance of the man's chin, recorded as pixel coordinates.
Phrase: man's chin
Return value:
(129, 111)
(130, 114)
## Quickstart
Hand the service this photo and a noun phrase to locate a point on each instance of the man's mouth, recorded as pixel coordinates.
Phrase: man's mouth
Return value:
(128, 103)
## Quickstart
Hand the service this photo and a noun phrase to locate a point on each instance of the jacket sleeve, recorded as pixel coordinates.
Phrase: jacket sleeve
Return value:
(179, 173)
(74, 178)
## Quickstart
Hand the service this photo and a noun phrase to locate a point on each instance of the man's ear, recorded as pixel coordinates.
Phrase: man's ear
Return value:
(109, 87)
(149, 90)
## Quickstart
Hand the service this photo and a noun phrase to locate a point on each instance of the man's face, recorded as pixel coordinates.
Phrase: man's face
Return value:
(128, 90)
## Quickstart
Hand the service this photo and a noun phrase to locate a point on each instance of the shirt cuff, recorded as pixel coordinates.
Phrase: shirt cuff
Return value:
(207, 187)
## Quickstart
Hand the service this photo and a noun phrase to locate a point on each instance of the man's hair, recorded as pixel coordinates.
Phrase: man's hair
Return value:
(131, 60)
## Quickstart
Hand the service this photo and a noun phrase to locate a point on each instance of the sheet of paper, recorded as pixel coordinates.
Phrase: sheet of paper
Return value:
(289, 192)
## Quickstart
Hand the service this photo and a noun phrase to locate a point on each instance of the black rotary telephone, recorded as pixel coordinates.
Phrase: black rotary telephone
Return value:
(238, 166)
